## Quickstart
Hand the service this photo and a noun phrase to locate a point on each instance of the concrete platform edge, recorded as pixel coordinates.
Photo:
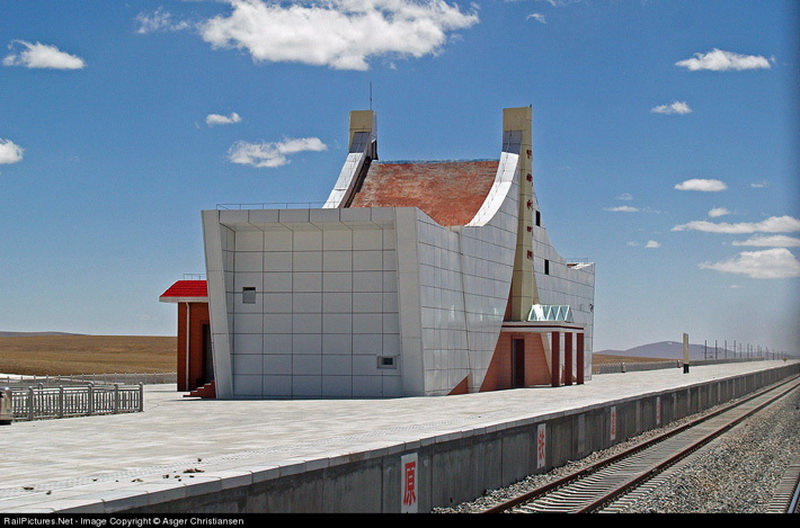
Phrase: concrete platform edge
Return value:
(453, 466)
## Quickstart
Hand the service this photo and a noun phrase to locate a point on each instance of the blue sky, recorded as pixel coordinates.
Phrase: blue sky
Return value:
(665, 137)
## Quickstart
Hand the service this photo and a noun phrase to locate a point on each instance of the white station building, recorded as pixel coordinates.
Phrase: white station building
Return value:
(414, 279)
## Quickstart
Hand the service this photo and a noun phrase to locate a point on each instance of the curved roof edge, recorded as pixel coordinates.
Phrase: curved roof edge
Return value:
(506, 170)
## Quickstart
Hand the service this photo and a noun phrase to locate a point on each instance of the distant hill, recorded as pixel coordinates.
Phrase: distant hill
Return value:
(24, 334)
(671, 350)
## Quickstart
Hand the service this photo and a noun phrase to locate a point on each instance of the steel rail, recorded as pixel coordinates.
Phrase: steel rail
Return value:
(787, 497)
(794, 503)
(591, 488)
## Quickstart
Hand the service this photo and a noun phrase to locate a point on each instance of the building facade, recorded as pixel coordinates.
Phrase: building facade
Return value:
(414, 279)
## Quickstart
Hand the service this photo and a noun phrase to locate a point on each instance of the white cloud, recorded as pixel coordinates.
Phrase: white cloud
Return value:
(719, 60)
(159, 20)
(716, 212)
(651, 244)
(341, 34)
(271, 155)
(537, 17)
(42, 56)
(562, 3)
(773, 224)
(623, 209)
(702, 185)
(9, 152)
(217, 119)
(758, 185)
(778, 263)
(625, 197)
(770, 241)
(676, 107)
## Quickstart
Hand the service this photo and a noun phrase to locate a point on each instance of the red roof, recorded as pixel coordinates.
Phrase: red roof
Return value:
(450, 192)
(196, 290)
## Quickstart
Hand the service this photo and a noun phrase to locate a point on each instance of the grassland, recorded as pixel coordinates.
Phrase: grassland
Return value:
(49, 355)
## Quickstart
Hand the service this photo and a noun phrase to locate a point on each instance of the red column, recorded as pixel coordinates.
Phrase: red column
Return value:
(555, 359)
(579, 353)
(568, 358)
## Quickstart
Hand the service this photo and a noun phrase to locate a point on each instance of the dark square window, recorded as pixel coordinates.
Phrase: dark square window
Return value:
(248, 295)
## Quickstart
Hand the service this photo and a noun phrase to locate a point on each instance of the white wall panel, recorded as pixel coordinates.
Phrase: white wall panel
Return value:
(247, 385)
(306, 386)
(277, 365)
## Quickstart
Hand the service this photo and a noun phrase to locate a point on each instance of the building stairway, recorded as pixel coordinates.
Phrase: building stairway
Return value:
(206, 391)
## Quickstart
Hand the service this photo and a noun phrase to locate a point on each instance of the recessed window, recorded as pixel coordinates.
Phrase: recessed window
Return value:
(360, 140)
(547, 267)
(248, 295)
(387, 362)
(512, 139)
(538, 218)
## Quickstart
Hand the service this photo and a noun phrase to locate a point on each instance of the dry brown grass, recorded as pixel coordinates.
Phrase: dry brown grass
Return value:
(603, 359)
(77, 354)
(54, 355)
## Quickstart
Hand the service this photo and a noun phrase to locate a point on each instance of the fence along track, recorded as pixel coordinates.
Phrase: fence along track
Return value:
(590, 489)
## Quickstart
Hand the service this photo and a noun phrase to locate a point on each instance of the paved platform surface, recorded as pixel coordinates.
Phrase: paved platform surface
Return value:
(49, 465)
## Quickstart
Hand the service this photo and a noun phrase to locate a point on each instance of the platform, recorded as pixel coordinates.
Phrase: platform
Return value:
(181, 447)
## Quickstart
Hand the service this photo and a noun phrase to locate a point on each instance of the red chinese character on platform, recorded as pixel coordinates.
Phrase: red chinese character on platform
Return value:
(409, 488)
(541, 442)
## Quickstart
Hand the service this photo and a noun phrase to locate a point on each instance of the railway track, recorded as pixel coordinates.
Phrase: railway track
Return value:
(787, 497)
(598, 486)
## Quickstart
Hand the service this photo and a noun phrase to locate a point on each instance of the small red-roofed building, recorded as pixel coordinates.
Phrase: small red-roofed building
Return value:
(195, 361)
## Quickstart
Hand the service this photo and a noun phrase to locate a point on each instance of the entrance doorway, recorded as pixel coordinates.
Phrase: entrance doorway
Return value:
(208, 358)
(517, 363)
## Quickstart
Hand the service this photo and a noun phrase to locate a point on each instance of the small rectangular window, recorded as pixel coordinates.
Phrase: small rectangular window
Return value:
(547, 267)
(248, 295)
(387, 362)
(538, 218)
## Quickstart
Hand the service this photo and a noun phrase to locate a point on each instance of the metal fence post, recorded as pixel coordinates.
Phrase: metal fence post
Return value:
(60, 401)
(30, 403)
(141, 397)
(91, 398)
(116, 398)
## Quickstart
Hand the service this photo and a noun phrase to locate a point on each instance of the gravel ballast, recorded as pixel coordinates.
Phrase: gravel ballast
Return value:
(736, 474)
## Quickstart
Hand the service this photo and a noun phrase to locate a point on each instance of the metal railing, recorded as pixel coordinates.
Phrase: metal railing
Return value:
(269, 205)
(156, 378)
(622, 366)
(42, 403)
